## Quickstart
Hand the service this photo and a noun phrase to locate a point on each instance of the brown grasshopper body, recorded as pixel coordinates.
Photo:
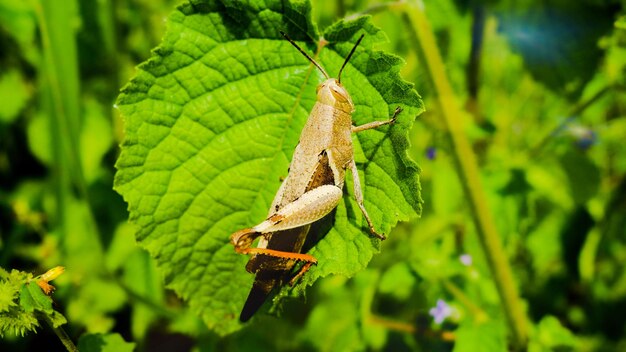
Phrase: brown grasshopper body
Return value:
(311, 190)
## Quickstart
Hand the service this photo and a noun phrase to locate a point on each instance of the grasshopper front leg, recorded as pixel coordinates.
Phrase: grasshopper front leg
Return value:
(358, 195)
(375, 124)
(358, 192)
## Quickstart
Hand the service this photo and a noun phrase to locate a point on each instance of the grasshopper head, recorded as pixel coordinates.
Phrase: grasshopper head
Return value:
(332, 93)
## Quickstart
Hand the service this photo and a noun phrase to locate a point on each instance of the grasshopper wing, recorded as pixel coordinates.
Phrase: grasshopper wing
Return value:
(272, 271)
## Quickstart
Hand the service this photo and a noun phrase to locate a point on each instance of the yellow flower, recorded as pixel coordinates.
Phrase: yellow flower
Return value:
(49, 276)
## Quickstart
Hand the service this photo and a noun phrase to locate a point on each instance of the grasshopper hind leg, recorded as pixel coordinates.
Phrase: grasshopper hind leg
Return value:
(273, 266)
(301, 272)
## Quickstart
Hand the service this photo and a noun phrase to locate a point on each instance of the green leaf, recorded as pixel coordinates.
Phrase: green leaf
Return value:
(57, 319)
(17, 18)
(337, 322)
(621, 23)
(343, 305)
(558, 42)
(40, 139)
(104, 343)
(94, 302)
(10, 286)
(13, 318)
(211, 123)
(15, 95)
(141, 277)
(7, 296)
(122, 246)
(544, 245)
(95, 139)
(398, 281)
(489, 336)
(33, 304)
(32, 298)
(550, 335)
(583, 175)
(17, 322)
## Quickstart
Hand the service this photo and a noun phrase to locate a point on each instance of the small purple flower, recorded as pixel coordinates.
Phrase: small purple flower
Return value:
(584, 137)
(466, 259)
(587, 141)
(441, 311)
(431, 153)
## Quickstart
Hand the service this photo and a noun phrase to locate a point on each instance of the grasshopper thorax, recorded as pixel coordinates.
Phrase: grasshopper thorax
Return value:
(332, 93)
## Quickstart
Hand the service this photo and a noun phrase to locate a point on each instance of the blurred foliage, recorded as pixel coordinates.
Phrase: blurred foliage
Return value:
(542, 85)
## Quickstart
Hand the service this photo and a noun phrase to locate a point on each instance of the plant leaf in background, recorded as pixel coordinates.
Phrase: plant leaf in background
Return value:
(15, 95)
(13, 318)
(211, 123)
(551, 335)
(480, 337)
(23, 303)
(558, 40)
(104, 343)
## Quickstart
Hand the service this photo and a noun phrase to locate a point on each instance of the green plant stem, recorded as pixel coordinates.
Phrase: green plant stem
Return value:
(52, 104)
(61, 334)
(62, 81)
(60, 89)
(414, 16)
(407, 328)
(479, 314)
(392, 325)
(574, 113)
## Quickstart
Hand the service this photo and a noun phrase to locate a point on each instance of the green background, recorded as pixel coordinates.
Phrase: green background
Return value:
(537, 95)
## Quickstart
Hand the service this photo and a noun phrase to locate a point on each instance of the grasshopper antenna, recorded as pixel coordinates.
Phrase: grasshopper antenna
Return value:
(348, 57)
(305, 54)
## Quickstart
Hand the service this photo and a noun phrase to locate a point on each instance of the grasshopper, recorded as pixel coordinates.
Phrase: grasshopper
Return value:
(311, 190)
